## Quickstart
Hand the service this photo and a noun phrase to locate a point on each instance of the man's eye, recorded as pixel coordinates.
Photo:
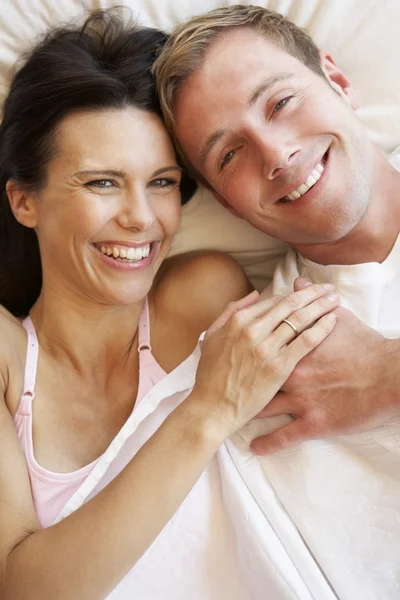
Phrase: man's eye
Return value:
(101, 183)
(227, 158)
(282, 103)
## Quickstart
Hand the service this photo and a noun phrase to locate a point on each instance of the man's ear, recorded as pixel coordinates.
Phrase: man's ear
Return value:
(23, 204)
(225, 204)
(338, 80)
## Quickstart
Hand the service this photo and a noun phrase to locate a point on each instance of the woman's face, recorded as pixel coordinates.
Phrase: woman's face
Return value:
(110, 206)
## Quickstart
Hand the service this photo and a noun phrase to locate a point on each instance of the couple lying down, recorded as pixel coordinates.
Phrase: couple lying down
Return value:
(126, 466)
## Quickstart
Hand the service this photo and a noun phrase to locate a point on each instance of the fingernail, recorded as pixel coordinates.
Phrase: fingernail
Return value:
(253, 293)
(330, 317)
(329, 286)
(333, 297)
(305, 282)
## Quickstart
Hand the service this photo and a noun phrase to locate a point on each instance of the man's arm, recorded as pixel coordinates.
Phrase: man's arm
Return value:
(350, 383)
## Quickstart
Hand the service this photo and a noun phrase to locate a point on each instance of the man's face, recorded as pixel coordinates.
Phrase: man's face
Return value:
(275, 141)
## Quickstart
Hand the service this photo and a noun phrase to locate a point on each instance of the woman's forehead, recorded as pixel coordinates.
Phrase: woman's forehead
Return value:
(110, 136)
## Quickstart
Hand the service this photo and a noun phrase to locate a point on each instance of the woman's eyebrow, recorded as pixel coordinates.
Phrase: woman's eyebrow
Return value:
(166, 169)
(111, 172)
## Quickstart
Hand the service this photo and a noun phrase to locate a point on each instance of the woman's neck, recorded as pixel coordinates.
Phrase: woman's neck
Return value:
(92, 338)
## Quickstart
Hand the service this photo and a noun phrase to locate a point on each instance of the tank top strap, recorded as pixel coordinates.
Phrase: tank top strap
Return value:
(150, 372)
(32, 354)
(144, 329)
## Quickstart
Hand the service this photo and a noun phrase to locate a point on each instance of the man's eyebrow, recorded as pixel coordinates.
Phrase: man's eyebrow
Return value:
(210, 143)
(260, 89)
(266, 84)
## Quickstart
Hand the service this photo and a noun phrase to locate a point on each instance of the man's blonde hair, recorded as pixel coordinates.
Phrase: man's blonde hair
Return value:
(186, 47)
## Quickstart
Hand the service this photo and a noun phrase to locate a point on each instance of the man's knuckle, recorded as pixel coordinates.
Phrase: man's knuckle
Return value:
(281, 439)
(316, 422)
(299, 375)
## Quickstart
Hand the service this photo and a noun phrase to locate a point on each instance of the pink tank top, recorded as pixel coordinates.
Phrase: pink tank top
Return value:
(51, 491)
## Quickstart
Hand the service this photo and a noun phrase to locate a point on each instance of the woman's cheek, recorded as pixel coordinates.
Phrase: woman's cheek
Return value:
(170, 217)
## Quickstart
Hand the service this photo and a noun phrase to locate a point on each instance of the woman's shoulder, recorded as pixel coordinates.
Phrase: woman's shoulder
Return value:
(196, 287)
(9, 324)
(12, 351)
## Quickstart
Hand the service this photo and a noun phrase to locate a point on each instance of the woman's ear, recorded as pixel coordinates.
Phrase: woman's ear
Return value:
(225, 204)
(23, 204)
(339, 81)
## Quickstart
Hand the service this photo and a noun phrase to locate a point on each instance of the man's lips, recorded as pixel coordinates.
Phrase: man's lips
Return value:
(303, 185)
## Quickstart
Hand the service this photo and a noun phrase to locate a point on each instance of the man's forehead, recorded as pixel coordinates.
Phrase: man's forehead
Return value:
(236, 69)
(232, 68)
(236, 49)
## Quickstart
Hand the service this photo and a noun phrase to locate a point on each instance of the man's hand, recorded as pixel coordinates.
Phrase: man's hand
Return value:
(350, 383)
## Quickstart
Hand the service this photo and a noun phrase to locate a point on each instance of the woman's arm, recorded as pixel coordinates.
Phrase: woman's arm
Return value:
(87, 554)
(246, 358)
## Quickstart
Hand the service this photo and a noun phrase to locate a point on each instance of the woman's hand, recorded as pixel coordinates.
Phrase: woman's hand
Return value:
(249, 352)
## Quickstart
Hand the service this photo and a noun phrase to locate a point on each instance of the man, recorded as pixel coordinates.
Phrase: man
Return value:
(286, 152)
(267, 122)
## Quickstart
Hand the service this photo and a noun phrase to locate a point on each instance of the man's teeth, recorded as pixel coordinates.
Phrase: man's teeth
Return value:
(310, 181)
(129, 254)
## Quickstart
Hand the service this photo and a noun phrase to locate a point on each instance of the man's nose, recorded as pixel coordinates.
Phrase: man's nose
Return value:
(277, 153)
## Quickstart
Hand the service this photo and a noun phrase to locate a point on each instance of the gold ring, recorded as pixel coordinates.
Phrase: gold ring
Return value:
(296, 331)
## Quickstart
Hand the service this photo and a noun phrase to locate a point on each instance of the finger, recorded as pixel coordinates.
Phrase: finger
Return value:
(281, 404)
(249, 314)
(309, 339)
(231, 309)
(284, 437)
(303, 318)
(300, 283)
(271, 319)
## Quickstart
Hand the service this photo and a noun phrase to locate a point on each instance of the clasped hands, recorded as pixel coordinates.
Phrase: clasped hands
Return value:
(349, 383)
(337, 376)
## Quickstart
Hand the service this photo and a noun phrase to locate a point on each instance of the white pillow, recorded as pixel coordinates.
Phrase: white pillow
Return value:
(362, 35)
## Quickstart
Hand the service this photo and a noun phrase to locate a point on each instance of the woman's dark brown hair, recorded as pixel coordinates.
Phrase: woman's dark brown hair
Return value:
(102, 64)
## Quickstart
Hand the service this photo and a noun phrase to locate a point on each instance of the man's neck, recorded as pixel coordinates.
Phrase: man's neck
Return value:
(374, 236)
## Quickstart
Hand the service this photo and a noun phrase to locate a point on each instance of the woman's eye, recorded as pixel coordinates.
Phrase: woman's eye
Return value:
(227, 158)
(101, 183)
(161, 182)
(282, 103)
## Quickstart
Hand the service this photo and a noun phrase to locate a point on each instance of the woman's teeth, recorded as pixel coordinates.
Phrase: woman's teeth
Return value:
(309, 182)
(125, 253)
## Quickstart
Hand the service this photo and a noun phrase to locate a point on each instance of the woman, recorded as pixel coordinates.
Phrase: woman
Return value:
(113, 437)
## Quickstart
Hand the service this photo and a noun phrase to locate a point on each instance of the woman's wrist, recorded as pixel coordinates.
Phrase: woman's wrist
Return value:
(201, 426)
